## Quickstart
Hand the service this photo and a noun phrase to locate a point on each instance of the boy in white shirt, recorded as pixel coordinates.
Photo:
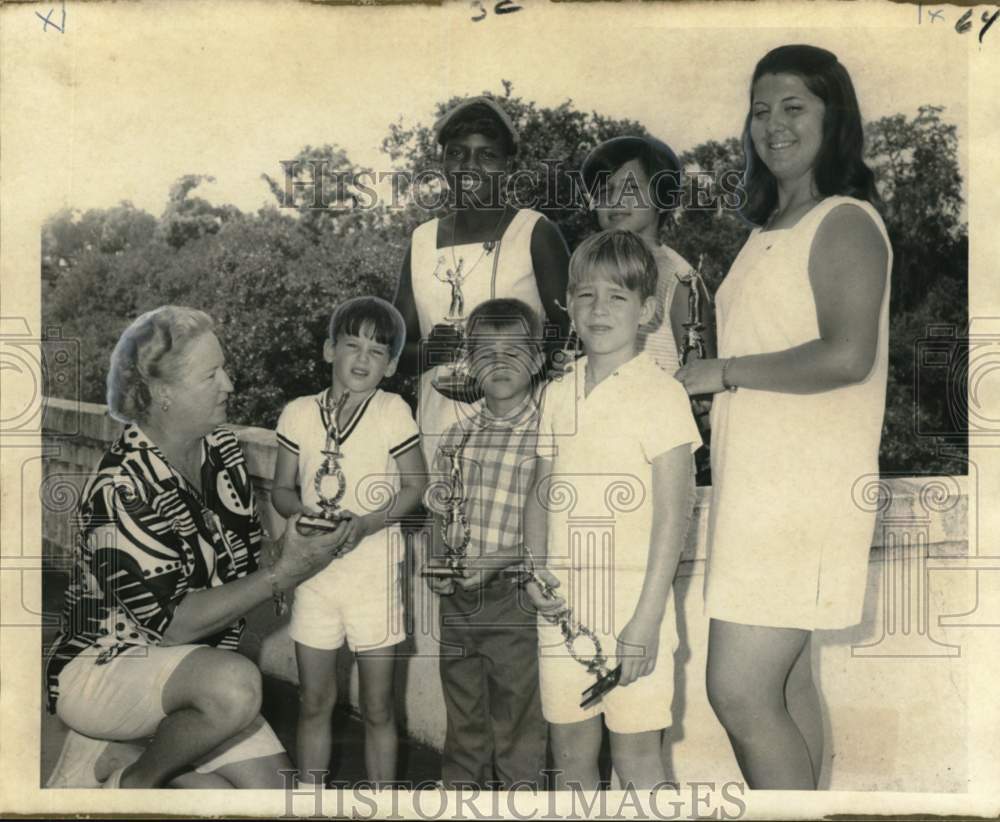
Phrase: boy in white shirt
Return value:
(615, 455)
(357, 596)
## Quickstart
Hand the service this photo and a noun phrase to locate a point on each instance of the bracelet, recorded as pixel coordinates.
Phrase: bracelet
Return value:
(725, 382)
(277, 595)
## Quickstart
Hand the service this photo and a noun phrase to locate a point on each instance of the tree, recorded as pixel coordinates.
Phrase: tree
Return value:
(327, 192)
(68, 235)
(187, 218)
(709, 228)
(916, 165)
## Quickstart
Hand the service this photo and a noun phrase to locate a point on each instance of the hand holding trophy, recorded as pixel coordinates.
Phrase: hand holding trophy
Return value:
(455, 382)
(694, 339)
(574, 634)
(455, 531)
(329, 482)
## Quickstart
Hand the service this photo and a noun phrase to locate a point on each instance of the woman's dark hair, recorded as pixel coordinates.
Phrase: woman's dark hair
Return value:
(839, 167)
(370, 317)
(657, 160)
(478, 119)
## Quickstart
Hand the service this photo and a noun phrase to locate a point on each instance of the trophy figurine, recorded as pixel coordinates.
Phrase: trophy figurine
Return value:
(455, 383)
(596, 663)
(694, 340)
(329, 482)
(570, 351)
(456, 533)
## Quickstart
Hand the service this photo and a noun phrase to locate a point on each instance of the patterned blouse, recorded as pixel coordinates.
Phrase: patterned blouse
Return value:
(167, 540)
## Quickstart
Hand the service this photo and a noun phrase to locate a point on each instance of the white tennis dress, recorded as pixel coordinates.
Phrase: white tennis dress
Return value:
(506, 271)
(788, 539)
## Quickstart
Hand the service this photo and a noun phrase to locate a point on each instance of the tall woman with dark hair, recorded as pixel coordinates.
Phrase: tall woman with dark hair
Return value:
(799, 390)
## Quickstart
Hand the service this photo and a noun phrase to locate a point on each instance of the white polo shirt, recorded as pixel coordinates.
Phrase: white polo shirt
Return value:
(600, 505)
(380, 429)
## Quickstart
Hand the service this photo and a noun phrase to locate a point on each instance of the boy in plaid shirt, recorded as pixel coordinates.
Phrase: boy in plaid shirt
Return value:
(489, 664)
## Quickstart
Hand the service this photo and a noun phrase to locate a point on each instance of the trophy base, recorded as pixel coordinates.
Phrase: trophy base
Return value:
(457, 387)
(604, 683)
(441, 572)
(307, 525)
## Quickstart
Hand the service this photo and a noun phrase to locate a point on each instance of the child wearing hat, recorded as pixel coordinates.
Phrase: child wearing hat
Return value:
(634, 183)
(491, 248)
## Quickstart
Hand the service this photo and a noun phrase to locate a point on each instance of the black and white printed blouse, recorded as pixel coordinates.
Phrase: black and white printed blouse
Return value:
(167, 540)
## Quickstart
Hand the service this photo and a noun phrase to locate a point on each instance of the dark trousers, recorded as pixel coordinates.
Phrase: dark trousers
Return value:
(489, 672)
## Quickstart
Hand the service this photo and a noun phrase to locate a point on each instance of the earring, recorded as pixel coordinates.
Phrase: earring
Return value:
(165, 406)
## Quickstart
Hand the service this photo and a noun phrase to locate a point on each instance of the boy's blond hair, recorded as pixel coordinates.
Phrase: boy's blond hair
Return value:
(619, 256)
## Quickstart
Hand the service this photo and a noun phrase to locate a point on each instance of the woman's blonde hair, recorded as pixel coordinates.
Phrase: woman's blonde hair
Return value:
(151, 349)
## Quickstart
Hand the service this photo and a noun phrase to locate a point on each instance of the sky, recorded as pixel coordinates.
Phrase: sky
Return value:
(146, 93)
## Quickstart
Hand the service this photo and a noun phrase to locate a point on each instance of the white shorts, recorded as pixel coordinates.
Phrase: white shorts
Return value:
(123, 701)
(641, 706)
(332, 607)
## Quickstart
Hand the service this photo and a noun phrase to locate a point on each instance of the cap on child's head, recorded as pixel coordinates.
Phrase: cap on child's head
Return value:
(619, 256)
(656, 159)
(477, 115)
(506, 314)
(371, 317)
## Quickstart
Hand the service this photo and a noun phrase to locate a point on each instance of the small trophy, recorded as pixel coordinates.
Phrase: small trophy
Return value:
(329, 482)
(597, 662)
(693, 338)
(456, 533)
(570, 351)
(456, 383)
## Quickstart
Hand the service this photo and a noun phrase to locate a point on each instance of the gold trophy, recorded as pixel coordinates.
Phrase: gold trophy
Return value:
(455, 383)
(456, 533)
(694, 340)
(596, 663)
(329, 482)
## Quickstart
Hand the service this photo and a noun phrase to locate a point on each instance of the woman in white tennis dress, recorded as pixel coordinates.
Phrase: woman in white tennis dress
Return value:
(799, 389)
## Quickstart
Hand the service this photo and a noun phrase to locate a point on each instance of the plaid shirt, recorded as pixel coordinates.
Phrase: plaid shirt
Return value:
(497, 461)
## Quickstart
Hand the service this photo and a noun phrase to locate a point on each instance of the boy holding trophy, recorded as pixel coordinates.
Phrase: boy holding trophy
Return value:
(607, 517)
(344, 449)
(483, 469)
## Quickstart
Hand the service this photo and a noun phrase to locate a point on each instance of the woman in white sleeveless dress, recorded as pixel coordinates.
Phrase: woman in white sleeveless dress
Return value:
(495, 249)
(799, 388)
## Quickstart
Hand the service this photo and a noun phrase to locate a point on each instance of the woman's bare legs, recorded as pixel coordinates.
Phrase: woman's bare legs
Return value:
(192, 780)
(805, 708)
(262, 772)
(210, 697)
(748, 667)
